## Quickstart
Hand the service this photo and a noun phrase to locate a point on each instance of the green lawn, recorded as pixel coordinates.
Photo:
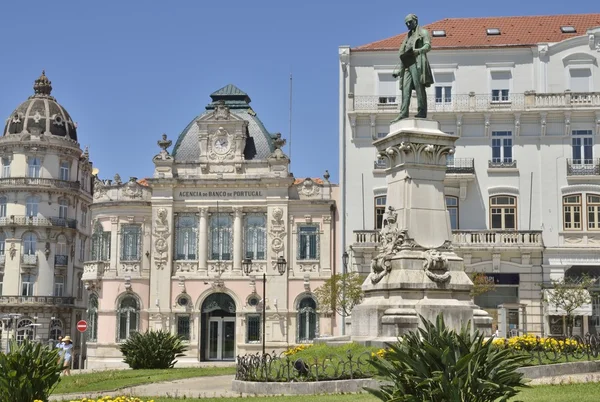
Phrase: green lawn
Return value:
(118, 379)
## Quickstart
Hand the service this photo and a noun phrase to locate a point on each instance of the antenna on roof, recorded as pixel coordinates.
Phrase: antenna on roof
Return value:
(290, 133)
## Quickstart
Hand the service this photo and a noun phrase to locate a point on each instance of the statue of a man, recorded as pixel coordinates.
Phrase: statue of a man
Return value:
(414, 70)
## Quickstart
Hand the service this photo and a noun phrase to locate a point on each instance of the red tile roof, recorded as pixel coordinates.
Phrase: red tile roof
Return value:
(143, 182)
(515, 31)
(314, 179)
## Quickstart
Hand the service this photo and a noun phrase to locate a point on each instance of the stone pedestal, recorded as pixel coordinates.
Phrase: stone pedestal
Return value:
(415, 272)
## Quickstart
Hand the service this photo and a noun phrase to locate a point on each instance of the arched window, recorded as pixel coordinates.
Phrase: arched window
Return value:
(31, 205)
(56, 329)
(29, 243)
(24, 330)
(307, 319)
(3, 202)
(63, 208)
(93, 318)
(503, 212)
(34, 166)
(128, 316)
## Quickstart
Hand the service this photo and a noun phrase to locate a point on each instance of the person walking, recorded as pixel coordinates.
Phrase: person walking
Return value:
(67, 354)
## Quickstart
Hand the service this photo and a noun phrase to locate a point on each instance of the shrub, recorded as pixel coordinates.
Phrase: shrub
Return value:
(530, 343)
(30, 371)
(438, 364)
(152, 350)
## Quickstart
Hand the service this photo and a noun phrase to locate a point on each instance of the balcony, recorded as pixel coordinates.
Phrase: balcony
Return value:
(23, 220)
(94, 270)
(460, 166)
(502, 164)
(61, 260)
(472, 102)
(29, 259)
(38, 182)
(369, 239)
(37, 300)
(583, 167)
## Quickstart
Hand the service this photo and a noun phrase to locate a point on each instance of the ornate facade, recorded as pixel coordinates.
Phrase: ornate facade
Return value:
(45, 195)
(169, 252)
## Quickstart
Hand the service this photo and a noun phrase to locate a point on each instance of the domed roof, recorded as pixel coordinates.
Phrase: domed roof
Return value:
(41, 114)
(259, 144)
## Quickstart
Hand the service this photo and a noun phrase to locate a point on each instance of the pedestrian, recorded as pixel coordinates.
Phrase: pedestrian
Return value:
(59, 344)
(67, 353)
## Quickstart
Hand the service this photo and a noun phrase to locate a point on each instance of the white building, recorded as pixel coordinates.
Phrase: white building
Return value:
(45, 193)
(523, 189)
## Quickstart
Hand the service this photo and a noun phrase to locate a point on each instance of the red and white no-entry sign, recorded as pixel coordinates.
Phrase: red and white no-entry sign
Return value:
(82, 325)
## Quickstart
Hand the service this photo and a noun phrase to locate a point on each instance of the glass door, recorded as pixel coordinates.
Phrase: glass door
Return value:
(221, 338)
(228, 338)
(214, 352)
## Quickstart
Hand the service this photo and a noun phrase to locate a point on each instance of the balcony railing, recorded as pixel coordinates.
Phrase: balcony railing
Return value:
(46, 300)
(502, 163)
(39, 182)
(94, 270)
(583, 167)
(483, 102)
(29, 259)
(467, 238)
(61, 260)
(460, 165)
(22, 220)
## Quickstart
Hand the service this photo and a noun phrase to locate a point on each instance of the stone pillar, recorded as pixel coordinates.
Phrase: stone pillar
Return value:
(237, 238)
(203, 239)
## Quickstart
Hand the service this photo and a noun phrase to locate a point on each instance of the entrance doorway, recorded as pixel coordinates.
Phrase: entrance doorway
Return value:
(217, 340)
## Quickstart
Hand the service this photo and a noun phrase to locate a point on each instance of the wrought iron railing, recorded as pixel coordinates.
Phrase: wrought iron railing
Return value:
(281, 368)
(23, 220)
(583, 167)
(502, 163)
(61, 260)
(460, 165)
(52, 300)
(38, 182)
(29, 259)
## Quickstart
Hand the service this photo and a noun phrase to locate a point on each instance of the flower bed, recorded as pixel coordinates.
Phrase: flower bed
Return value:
(109, 399)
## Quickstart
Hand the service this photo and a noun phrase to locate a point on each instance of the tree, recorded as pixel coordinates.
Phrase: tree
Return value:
(569, 294)
(482, 283)
(340, 293)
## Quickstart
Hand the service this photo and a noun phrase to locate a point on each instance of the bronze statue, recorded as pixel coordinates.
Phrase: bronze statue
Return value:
(414, 70)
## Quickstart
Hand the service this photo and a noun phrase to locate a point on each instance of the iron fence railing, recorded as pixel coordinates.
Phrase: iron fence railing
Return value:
(583, 167)
(460, 165)
(281, 368)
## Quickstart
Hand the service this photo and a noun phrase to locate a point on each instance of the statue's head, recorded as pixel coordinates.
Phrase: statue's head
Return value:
(411, 21)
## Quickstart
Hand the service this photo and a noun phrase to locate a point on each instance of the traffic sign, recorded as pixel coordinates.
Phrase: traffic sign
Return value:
(82, 325)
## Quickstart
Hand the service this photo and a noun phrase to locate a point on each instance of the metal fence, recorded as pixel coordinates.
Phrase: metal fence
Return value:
(281, 368)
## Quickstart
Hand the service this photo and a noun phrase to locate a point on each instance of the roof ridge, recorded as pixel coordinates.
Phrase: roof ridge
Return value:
(229, 89)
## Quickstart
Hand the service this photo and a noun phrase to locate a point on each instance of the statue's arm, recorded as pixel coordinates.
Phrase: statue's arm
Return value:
(426, 42)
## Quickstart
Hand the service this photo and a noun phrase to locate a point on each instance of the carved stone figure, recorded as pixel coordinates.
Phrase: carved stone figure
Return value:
(436, 266)
(309, 188)
(392, 239)
(277, 234)
(161, 234)
(414, 69)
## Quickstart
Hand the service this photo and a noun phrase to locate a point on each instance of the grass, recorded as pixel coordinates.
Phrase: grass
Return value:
(117, 379)
(587, 392)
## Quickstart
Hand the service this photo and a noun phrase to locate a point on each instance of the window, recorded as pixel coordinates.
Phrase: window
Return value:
(308, 242)
(83, 217)
(307, 319)
(56, 330)
(27, 282)
(61, 246)
(82, 249)
(186, 241)
(593, 208)
(29, 243)
(503, 212)
(64, 170)
(100, 243)
(253, 328)
(59, 285)
(130, 242)
(580, 80)
(500, 85)
(501, 147)
(452, 207)
(34, 165)
(3, 201)
(220, 237)
(388, 88)
(2, 243)
(63, 208)
(5, 167)
(255, 236)
(92, 315)
(129, 314)
(379, 211)
(572, 212)
(381, 135)
(1, 282)
(443, 94)
(24, 330)
(31, 206)
(79, 286)
(183, 327)
(583, 142)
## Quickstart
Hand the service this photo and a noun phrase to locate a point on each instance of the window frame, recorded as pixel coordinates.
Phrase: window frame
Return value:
(64, 170)
(502, 137)
(179, 317)
(6, 167)
(131, 233)
(582, 136)
(596, 206)
(63, 208)
(32, 205)
(3, 206)
(258, 235)
(128, 312)
(379, 208)
(27, 286)
(34, 169)
(92, 318)
(572, 206)
(190, 245)
(503, 214)
(59, 287)
(307, 311)
(225, 251)
(302, 227)
(31, 238)
(453, 207)
(100, 243)
(258, 318)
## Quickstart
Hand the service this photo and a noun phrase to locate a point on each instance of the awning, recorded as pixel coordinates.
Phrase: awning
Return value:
(551, 309)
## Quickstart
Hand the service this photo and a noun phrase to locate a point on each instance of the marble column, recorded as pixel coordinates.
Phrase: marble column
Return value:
(203, 239)
(237, 238)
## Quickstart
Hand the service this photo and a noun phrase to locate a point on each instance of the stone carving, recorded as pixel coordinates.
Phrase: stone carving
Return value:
(392, 239)
(132, 188)
(277, 233)
(117, 179)
(436, 266)
(12, 250)
(161, 233)
(221, 169)
(431, 154)
(309, 188)
(186, 266)
(308, 266)
(47, 251)
(129, 267)
(221, 111)
(163, 144)
(222, 147)
(99, 189)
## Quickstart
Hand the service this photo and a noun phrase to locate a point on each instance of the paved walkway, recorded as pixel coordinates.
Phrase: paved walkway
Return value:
(220, 386)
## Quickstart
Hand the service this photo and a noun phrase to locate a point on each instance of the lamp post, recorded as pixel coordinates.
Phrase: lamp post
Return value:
(344, 271)
(281, 268)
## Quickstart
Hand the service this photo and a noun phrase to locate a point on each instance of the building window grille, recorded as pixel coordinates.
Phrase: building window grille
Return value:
(253, 328)
(186, 240)
(308, 242)
(220, 237)
(255, 231)
(183, 327)
(128, 318)
(307, 319)
(130, 242)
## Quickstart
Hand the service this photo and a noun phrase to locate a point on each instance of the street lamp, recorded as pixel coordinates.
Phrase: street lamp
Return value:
(281, 268)
(344, 272)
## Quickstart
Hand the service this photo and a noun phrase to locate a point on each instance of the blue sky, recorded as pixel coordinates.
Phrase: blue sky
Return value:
(128, 71)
